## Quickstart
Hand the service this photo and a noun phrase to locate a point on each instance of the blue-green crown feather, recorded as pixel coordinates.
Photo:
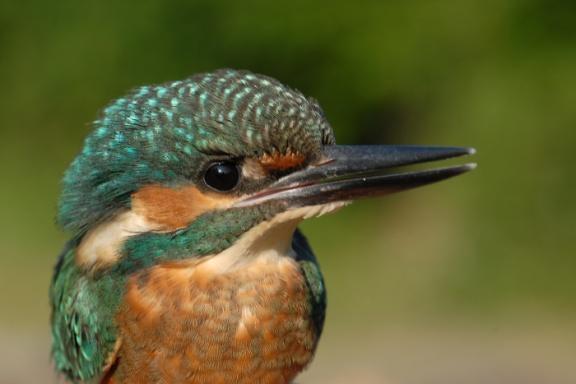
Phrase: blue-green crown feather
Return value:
(157, 134)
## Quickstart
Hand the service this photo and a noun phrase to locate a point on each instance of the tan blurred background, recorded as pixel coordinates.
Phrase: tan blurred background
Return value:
(468, 281)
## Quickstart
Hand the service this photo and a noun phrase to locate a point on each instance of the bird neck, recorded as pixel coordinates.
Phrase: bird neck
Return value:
(210, 234)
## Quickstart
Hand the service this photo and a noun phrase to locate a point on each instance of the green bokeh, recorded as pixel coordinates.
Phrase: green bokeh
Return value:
(496, 75)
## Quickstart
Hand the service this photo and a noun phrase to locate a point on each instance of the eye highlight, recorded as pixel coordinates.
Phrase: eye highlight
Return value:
(222, 176)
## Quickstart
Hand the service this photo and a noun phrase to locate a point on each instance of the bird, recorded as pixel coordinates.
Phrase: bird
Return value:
(185, 263)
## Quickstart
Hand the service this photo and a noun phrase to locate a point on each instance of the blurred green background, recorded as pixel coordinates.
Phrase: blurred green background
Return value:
(468, 281)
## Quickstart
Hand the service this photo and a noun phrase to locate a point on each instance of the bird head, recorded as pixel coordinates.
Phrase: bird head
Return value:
(191, 166)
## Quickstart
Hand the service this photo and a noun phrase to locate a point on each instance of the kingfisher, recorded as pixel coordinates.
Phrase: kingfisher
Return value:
(185, 263)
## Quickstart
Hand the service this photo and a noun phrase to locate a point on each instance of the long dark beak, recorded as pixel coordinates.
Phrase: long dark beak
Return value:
(348, 172)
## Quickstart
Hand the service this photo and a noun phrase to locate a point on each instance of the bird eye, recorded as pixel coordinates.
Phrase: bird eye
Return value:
(222, 176)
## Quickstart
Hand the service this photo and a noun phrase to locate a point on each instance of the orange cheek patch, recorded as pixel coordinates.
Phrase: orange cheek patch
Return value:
(280, 161)
(174, 208)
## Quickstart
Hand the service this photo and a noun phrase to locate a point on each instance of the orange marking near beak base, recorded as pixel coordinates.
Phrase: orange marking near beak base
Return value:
(280, 161)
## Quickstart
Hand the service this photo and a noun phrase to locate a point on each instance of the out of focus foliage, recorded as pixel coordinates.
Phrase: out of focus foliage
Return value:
(497, 75)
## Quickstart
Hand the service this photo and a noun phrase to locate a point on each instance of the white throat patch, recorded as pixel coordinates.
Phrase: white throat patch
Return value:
(270, 240)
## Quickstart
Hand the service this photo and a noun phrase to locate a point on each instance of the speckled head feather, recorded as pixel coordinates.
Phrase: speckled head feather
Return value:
(159, 134)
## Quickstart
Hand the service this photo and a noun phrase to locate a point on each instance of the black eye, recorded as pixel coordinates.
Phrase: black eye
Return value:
(222, 176)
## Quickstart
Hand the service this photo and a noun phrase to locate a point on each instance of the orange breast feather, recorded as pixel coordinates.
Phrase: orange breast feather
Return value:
(180, 324)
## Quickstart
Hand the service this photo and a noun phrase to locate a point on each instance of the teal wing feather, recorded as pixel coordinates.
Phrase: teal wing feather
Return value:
(83, 330)
(314, 279)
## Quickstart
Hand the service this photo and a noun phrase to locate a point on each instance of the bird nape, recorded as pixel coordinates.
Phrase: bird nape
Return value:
(185, 264)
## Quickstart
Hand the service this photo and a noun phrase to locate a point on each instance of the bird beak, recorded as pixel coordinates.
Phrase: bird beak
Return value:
(348, 172)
